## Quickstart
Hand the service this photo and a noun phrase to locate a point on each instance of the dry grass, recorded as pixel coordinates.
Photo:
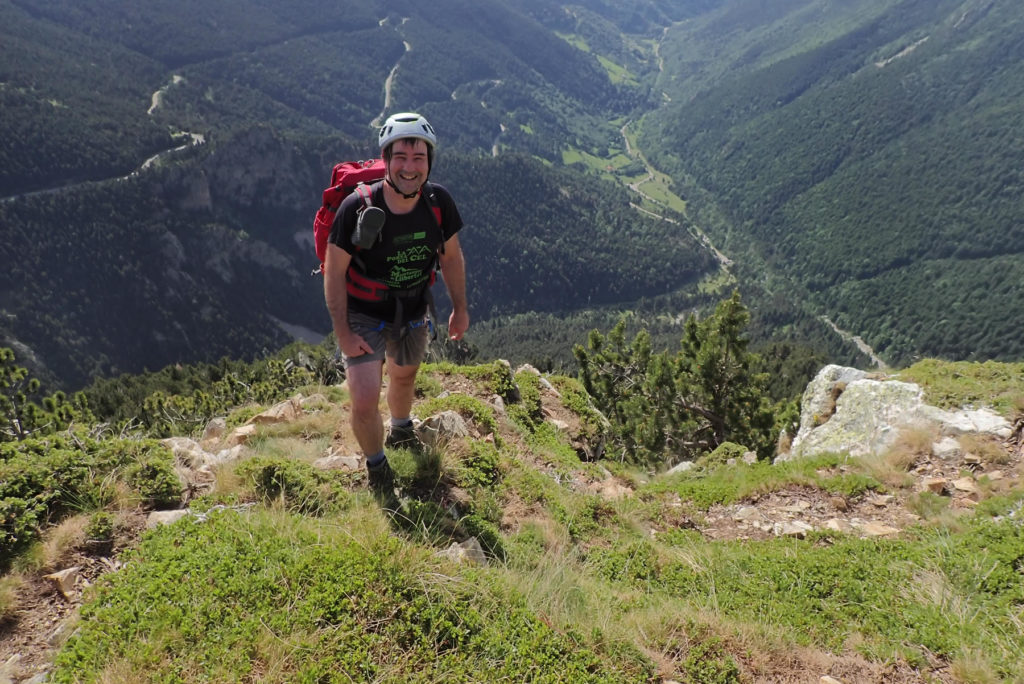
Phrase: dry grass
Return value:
(10, 595)
(972, 666)
(989, 449)
(61, 540)
(891, 467)
(308, 427)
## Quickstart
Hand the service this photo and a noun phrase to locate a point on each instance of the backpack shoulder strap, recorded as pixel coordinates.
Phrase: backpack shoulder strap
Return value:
(435, 209)
(365, 193)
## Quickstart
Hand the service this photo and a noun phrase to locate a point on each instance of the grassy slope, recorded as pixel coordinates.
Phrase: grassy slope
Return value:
(295, 575)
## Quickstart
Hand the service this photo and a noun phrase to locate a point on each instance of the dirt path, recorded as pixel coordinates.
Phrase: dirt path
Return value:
(156, 101)
(700, 235)
(859, 341)
(379, 119)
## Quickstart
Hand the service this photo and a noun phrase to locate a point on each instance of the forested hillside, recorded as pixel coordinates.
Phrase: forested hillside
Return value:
(853, 161)
(205, 250)
(873, 159)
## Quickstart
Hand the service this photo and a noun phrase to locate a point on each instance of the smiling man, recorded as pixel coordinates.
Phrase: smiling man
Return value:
(377, 279)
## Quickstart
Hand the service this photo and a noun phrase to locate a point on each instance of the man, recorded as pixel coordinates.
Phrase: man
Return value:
(378, 296)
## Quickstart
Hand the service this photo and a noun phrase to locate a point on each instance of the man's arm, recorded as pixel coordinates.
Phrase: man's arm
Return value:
(336, 295)
(453, 268)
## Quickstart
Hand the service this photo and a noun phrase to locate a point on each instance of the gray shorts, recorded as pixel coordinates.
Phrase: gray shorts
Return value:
(406, 348)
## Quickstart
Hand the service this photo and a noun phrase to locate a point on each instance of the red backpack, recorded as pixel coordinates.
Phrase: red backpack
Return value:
(345, 178)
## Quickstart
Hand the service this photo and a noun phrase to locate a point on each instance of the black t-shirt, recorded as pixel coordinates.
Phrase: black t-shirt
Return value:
(404, 255)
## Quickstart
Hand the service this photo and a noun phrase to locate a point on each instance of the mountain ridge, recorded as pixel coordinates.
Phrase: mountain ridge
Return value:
(756, 137)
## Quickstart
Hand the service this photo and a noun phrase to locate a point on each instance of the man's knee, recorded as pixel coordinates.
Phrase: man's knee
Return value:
(364, 384)
(364, 408)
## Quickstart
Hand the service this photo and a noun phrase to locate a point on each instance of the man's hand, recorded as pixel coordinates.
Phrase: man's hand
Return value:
(353, 345)
(458, 323)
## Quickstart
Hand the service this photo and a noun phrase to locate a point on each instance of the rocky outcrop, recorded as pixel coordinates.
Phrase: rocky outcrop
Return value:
(845, 410)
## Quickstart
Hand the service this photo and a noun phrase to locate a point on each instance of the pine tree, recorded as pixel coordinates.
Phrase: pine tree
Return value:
(683, 405)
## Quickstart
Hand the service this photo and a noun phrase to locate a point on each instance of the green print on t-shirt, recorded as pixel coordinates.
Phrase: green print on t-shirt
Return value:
(401, 277)
(411, 255)
(411, 237)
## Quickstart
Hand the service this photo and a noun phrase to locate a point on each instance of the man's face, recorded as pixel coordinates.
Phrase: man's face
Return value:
(409, 165)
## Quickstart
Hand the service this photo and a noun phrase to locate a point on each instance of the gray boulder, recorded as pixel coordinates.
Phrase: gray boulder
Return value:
(845, 410)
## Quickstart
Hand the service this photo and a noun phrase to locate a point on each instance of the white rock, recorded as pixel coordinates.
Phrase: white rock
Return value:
(65, 580)
(468, 551)
(228, 455)
(970, 421)
(838, 525)
(9, 669)
(157, 518)
(965, 484)
(241, 435)
(187, 452)
(947, 448)
(681, 467)
(842, 410)
(314, 401)
(873, 529)
(560, 425)
(282, 412)
(443, 427)
(817, 398)
(338, 462)
(59, 635)
(748, 514)
(610, 489)
(215, 429)
(795, 528)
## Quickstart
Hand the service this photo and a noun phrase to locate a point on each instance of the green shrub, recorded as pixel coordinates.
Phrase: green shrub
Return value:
(722, 453)
(487, 533)
(155, 479)
(298, 485)
(633, 563)
(708, 663)
(100, 526)
(527, 412)
(479, 468)
(427, 386)
(852, 485)
(44, 479)
(927, 505)
(466, 406)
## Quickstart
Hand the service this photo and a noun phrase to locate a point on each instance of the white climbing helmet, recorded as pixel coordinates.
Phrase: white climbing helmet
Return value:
(406, 125)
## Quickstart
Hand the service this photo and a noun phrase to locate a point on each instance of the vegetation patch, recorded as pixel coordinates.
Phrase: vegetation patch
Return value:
(372, 610)
(46, 479)
(297, 485)
(953, 385)
(724, 485)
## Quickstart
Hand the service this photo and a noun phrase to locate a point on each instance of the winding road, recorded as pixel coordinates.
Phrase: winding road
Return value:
(156, 100)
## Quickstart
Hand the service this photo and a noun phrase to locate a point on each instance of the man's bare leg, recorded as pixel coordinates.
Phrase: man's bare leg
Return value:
(364, 383)
(401, 389)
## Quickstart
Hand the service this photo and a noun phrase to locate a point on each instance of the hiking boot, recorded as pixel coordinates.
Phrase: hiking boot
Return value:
(381, 477)
(402, 437)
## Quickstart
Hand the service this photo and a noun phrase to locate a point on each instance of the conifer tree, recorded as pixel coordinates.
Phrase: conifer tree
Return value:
(20, 416)
(680, 406)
